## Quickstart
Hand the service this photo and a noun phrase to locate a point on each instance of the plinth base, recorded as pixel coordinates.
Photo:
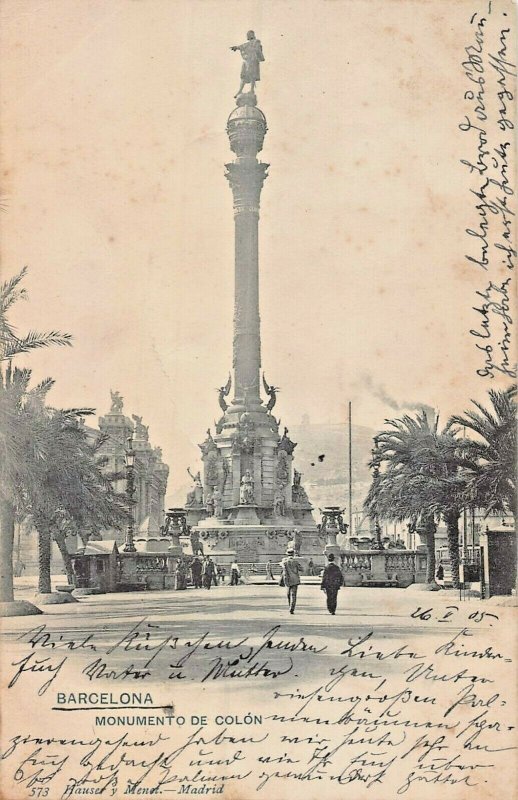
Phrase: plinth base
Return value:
(245, 515)
(249, 542)
(18, 608)
(54, 598)
(149, 544)
(246, 99)
(334, 549)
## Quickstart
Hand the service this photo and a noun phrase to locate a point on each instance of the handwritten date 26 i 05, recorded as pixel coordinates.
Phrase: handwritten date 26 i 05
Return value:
(451, 614)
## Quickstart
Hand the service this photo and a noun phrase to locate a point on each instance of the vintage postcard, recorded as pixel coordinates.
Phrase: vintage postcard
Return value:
(258, 399)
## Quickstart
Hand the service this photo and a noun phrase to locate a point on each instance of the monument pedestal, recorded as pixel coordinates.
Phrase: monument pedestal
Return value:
(257, 543)
(245, 515)
(334, 549)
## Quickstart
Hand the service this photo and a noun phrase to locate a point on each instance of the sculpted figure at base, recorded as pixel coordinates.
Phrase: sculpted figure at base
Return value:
(218, 502)
(283, 471)
(279, 503)
(209, 505)
(246, 490)
(222, 393)
(252, 54)
(196, 545)
(195, 496)
(271, 391)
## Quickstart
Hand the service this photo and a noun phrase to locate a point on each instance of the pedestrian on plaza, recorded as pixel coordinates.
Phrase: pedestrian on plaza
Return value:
(332, 579)
(221, 574)
(439, 575)
(291, 569)
(235, 573)
(180, 576)
(269, 570)
(208, 572)
(311, 567)
(196, 570)
(18, 569)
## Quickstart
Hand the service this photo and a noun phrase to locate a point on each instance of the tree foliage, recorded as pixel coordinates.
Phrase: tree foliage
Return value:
(50, 466)
(489, 454)
(427, 473)
(420, 480)
(11, 343)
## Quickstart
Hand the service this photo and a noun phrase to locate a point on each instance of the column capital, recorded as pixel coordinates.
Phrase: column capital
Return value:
(246, 178)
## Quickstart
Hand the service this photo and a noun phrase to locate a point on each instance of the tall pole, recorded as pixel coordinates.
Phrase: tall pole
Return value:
(246, 129)
(350, 471)
(378, 545)
(129, 544)
(465, 524)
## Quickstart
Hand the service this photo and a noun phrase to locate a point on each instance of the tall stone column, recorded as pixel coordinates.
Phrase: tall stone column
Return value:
(246, 129)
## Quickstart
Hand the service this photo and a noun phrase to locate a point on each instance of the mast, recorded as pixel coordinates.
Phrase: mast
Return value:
(246, 129)
(350, 471)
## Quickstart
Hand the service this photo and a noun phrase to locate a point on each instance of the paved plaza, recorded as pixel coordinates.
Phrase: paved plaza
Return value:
(394, 694)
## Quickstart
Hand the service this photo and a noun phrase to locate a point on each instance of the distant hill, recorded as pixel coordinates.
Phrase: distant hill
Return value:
(327, 481)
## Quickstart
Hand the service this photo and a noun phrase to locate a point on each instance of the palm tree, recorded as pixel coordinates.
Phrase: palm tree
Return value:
(20, 435)
(55, 472)
(11, 344)
(490, 458)
(79, 497)
(21, 439)
(421, 480)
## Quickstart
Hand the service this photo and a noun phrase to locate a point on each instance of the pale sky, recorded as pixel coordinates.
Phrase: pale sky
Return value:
(114, 145)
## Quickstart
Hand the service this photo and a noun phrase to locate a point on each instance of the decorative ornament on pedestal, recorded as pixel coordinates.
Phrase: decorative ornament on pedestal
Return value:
(332, 525)
(175, 526)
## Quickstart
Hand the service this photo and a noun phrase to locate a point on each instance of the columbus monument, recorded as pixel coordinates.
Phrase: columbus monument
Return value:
(249, 503)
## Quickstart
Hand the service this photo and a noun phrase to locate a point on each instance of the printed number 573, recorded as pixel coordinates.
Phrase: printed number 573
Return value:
(41, 792)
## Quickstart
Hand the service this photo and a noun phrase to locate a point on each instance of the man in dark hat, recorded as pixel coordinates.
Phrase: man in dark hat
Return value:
(196, 569)
(291, 569)
(208, 572)
(331, 581)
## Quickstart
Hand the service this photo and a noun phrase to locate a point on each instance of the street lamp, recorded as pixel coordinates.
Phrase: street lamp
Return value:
(129, 544)
(376, 461)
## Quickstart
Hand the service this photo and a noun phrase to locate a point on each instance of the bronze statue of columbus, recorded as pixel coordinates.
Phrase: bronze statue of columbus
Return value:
(252, 54)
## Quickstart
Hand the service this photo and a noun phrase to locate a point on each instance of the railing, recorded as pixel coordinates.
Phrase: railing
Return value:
(359, 561)
(395, 561)
(471, 554)
(150, 563)
(399, 562)
(251, 569)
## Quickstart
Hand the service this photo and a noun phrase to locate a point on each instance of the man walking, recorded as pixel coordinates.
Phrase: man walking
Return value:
(234, 573)
(291, 569)
(209, 572)
(196, 569)
(331, 582)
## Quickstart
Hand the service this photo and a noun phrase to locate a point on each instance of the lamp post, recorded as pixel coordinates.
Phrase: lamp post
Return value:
(129, 544)
(378, 545)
